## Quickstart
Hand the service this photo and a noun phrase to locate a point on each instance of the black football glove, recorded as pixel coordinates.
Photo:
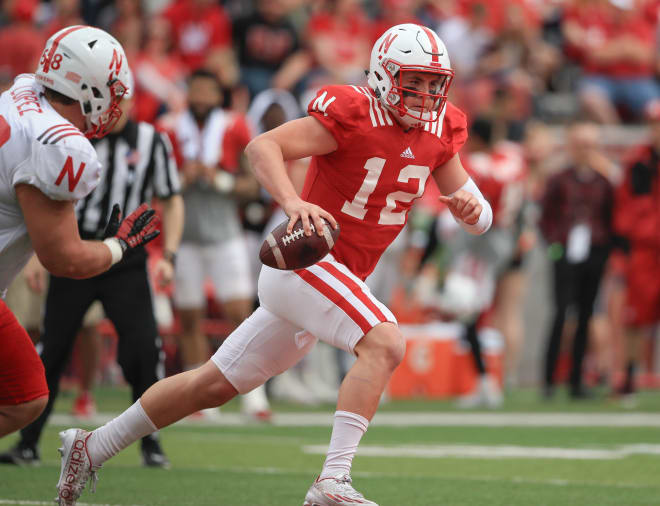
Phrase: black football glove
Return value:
(112, 227)
(137, 229)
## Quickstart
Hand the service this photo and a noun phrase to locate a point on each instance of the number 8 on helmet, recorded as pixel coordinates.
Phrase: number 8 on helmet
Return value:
(90, 66)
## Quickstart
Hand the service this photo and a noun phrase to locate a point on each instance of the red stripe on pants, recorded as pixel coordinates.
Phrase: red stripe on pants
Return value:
(335, 297)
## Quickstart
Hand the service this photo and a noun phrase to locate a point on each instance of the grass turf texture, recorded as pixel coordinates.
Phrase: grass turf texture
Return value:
(266, 465)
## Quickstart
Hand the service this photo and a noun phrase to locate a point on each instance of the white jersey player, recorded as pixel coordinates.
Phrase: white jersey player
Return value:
(47, 164)
(38, 147)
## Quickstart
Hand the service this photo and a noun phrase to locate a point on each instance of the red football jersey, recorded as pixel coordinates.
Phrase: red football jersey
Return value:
(378, 170)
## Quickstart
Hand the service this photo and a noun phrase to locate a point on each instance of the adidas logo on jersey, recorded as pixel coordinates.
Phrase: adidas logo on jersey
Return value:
(407, 153)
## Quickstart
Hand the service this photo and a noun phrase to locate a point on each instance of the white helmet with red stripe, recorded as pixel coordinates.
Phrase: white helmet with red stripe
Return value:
(409, 48)
(90, 66)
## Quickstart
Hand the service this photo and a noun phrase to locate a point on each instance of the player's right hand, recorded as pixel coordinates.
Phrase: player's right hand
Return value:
(137, 229)
(298, 209)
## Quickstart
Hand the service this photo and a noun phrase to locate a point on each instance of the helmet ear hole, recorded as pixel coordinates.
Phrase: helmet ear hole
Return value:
(87, 107)
(96, 92)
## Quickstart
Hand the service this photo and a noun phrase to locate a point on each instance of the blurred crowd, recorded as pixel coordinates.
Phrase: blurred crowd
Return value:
(595, 56)
(559, 95)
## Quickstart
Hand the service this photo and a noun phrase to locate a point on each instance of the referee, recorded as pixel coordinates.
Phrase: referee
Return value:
(138, 165)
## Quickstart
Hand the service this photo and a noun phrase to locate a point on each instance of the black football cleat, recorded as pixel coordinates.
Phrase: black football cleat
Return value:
(152, 453)
(20, 455)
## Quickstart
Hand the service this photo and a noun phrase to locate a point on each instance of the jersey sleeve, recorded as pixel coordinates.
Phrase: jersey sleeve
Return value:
(237, 136)
(67, 171)
(454, 131)
(338, 109)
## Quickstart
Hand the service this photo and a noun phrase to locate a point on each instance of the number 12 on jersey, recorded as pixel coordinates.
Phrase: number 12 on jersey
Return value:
(388, 216)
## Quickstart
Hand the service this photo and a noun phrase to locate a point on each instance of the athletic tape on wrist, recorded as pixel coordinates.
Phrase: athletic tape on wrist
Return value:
(115, 249)
(486, 216)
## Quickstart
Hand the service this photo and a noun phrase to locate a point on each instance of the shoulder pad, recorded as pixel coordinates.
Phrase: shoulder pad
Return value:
(65, 170)
(342, 109)
(454, 130)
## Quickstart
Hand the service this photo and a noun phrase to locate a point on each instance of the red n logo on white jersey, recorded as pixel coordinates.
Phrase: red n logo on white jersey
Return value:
(68, 171)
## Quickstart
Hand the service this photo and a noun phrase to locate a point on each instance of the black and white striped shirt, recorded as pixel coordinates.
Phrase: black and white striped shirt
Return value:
(137, 165)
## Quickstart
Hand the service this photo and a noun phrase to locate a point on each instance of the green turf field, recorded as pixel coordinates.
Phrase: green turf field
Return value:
(488, 465)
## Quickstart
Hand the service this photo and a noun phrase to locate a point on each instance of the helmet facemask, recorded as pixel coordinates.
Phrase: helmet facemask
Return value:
(431, 103)
(401, 50)
(99, 125)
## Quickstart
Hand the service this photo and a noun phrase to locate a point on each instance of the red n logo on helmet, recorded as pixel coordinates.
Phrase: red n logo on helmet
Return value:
(387, 42)
(68, 171)
(116, 62)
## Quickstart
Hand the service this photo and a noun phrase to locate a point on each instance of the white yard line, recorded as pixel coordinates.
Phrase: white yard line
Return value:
(417, 419)
(495, 451)
(400, 476)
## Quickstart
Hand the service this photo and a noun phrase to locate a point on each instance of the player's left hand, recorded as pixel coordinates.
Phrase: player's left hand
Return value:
(137, 229)
(464, 206)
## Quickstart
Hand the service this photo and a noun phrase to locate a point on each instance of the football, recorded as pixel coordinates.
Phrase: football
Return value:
(296, 250)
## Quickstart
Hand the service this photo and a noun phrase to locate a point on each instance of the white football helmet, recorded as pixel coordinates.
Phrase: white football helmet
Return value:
(410, 48)
(90, 66)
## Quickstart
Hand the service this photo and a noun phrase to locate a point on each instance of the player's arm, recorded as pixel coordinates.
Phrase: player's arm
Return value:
(462, 197)
(53, 230)
(293, 140)
(173, 217)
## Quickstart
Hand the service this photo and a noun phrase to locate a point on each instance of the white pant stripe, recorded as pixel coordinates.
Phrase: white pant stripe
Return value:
(346, 293)
(384, 309)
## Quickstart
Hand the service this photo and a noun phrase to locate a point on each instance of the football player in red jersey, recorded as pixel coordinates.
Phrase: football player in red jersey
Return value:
(373, 151)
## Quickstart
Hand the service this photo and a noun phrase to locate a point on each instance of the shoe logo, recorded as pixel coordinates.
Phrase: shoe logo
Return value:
(340, 499)
(75, 465)
(408, 153)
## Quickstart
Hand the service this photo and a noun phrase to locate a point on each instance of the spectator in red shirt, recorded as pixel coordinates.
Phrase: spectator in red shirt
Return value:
(202, 37)
(637, 223)
(394, 12)
(20, 42)
(615, 44)
(67, 13)
(339, 37)
(159, 74)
